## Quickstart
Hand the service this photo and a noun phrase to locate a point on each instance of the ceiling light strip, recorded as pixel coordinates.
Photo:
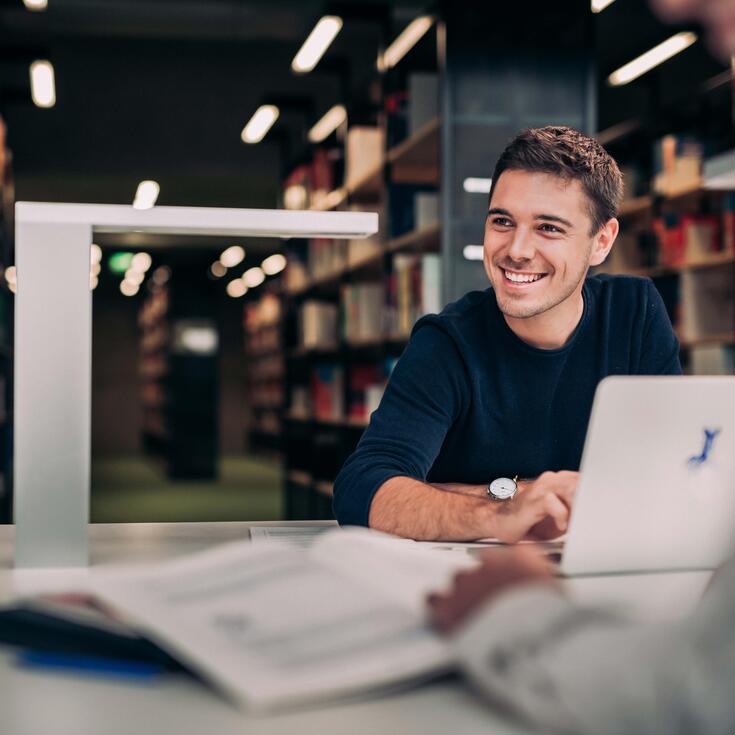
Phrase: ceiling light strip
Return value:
(317, 42)
(410, 36)
(653, 57)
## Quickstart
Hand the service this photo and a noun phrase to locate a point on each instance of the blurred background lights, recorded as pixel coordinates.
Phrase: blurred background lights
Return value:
(10, 275)
(253, 277)
(135, 277)
(472, 252)
(146, 194)
(234, 255)
(295, 197)
(128, 289)
(217, 269)
(141, 262)
(477, 185)
(236, 288)
(161, 275)
(120, 262)
(43, 85)
(95, 254)
(273, 264)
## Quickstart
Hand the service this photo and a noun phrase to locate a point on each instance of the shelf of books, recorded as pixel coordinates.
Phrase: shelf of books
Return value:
(266, 370)
(682, 236)
(349, 305)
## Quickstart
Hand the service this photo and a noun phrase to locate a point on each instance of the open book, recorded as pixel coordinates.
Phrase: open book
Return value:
(276, 626)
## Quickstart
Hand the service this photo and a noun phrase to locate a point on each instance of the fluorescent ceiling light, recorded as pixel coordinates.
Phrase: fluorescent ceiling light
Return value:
(232, 256)
(328, 124)
(657, 55)
(597, 6)
(253, 277)
(472, 252)
(316, 44)
(405, 42)
(36, 4)
(474, 185)
(236, 288)
(146, 194)
(273, 264)
(260, 123)
(43, 85)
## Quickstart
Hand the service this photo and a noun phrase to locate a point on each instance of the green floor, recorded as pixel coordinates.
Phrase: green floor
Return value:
(136, 489)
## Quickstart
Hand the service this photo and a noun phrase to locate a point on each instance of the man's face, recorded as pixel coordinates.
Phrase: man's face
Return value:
(538, 246)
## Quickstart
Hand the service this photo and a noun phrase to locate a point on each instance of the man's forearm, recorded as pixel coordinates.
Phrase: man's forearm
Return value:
(413, 509)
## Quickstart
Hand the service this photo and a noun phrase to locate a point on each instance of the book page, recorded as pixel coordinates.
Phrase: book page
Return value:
(400, 569)
(274, 626)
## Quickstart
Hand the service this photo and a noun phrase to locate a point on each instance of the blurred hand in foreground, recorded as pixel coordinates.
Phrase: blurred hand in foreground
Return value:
(501, 570)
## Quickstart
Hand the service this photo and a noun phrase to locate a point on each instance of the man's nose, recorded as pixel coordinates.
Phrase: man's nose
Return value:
(521, 247)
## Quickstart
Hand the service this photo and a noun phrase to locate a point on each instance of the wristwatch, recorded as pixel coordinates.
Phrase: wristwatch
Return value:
(503, 488)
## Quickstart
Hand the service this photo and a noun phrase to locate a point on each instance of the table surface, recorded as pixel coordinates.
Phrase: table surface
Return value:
(32, 702)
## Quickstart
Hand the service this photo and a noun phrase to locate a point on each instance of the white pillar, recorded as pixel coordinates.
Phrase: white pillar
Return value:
(53, 378)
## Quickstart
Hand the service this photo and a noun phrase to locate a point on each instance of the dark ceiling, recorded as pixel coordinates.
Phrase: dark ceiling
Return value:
(162, 88)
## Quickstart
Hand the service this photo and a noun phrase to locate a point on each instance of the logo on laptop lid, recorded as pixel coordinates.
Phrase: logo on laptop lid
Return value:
(709, 439)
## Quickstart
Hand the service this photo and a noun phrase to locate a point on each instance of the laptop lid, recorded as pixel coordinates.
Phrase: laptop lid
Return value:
(657, 478)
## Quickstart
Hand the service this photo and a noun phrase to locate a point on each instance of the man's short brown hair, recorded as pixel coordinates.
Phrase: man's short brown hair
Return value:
(571, 155)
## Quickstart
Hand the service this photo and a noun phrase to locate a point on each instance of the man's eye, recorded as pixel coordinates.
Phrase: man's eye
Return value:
(501, 221)
(549, 228)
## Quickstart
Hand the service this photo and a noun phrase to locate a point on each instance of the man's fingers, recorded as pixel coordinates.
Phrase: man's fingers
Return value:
(557, 510)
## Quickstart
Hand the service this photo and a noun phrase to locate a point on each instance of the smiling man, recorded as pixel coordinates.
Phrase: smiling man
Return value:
(499, 386)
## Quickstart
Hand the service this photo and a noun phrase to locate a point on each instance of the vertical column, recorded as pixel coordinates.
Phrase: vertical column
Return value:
(53, 377)
(505, 66)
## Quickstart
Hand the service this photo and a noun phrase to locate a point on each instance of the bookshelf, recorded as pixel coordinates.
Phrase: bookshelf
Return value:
(178, 375)
(684, 240)
(265, 374)
(334, 380)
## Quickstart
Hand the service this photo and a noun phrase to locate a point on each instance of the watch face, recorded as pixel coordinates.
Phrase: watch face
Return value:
(503, 488)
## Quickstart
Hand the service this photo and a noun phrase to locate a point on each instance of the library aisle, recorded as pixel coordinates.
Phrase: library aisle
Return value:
(136, 489)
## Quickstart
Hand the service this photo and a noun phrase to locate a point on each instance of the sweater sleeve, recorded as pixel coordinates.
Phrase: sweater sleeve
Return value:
(424, 397)
(660, 348)
(572, 669)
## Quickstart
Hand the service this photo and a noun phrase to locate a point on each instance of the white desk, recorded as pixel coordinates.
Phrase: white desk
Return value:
(32, 702)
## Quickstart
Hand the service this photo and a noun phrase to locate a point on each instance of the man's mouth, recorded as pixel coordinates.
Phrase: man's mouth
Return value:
(522, 278)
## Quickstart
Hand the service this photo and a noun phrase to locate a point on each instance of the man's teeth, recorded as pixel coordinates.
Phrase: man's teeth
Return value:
(522, 277)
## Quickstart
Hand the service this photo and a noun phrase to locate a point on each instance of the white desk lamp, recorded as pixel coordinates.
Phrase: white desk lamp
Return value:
(53, 349)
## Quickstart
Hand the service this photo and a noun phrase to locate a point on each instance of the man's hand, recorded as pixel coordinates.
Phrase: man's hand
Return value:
(407, 507)
(540, 509)
(501, 570)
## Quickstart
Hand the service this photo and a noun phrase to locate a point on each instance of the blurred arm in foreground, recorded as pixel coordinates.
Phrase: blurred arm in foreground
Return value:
(573, 669)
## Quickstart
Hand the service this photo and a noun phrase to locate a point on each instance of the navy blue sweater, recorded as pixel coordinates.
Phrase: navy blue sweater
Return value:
(469, 401)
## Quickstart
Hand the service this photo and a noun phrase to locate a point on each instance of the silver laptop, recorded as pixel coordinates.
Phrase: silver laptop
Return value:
(657, 478)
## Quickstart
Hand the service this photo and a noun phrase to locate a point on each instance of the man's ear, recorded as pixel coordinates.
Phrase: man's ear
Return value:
(604, 240)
